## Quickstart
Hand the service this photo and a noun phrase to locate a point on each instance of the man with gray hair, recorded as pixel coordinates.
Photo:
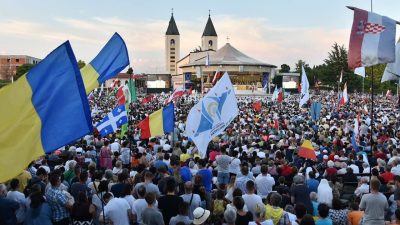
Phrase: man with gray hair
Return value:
(230, 216)
(7, 207)
(363, 187)
(192, 199)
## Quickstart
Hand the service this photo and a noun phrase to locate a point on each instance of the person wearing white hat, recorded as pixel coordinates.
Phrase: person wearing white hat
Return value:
(200, 216)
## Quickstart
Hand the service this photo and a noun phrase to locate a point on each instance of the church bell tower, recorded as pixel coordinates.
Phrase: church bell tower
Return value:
(209, 39)
(172, 46)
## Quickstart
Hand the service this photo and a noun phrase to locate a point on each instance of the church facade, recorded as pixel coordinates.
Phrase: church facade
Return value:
(200, 68)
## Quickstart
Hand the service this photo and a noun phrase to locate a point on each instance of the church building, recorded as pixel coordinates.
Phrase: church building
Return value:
(210, 61)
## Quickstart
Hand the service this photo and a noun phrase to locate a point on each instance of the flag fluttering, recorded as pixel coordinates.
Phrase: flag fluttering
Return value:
(344, 99)
(355, 136)
(111, 60)
(114, 119)
(392, 70)
(217, 76)
(306, 150)
(47, 108)
(315, 110)
(121, 96)
(341, 76)
(360, 71)
(132, 90)
(158, 123)
(372, 39)
(178, 92)
(212, 114)
(257, 106)
(280, 96)
(305, 94)
(147, 99)
(275, 94)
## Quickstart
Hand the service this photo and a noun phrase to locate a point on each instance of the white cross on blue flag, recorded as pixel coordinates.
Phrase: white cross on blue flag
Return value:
(112, 121)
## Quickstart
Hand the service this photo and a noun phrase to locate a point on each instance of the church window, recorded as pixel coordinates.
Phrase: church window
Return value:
(210, 43)
(172, 42)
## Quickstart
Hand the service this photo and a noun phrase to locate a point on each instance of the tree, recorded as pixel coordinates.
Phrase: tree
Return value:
(302, 63)
(130, 71)
(23, 69)
(285, 68)
(336, 63)
(81, 64)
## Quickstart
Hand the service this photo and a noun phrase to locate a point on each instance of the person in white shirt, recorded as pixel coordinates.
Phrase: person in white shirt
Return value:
(117, 210)
(363, 187)
(234, 165)
(396, 167)
(251, 199)
(192, 199)
(356, 169)
(264, 182)
(242, 180)
(115, 146)
(18, 197)
(125, 154)
(343, 169)
(139, 205)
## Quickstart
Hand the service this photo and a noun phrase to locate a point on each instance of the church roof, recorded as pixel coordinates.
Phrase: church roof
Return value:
(209, 30)
(172, 28)
(228, 56)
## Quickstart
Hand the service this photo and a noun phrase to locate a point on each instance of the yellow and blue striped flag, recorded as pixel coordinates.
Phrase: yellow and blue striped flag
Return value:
(43, 110)
(111, 60)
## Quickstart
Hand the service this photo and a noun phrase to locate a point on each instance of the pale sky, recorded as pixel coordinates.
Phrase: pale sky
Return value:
(275, 32)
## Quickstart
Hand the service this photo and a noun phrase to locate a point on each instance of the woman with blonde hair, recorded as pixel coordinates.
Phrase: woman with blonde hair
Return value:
(229, 188)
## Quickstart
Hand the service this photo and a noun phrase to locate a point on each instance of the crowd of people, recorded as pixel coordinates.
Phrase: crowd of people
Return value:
(251, 174)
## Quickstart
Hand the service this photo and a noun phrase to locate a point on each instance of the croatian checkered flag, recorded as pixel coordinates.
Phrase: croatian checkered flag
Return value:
(109, 124)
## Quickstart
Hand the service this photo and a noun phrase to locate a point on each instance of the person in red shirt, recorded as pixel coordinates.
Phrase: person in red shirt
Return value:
(286, 170)
(387, 175)
(380, 154)
(331, 170)
(213, 154)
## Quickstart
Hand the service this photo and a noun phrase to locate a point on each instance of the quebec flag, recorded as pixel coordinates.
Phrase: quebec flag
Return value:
(114, 119)
(212, 114)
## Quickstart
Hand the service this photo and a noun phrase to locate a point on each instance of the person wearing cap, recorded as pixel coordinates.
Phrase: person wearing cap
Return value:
(200, 216)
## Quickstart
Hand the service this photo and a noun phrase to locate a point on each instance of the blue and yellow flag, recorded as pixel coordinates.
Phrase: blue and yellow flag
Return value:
(111, 60)
(43, 110)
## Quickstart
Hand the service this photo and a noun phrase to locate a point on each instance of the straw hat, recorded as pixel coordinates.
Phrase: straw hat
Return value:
(200, 215)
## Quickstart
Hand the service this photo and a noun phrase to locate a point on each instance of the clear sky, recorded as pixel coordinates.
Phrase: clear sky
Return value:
(276, 32)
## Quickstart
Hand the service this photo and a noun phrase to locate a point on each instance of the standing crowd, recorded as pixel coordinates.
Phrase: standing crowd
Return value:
(251, 174)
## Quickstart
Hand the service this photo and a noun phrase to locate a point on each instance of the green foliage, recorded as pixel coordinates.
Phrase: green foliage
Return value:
(81, 64)
(301, 63)
(23, 69)
(277, 80)
(329, 72)
(285, 68)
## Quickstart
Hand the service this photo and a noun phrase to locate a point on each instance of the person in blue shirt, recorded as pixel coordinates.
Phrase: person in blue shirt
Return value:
(39, 211)
(7, 208)
(323, 211)
(184, 171)
(312, 183)
(205, 174)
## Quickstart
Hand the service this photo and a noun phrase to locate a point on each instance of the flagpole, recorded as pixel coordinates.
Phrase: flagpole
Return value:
(372, 117)
(202, 82)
